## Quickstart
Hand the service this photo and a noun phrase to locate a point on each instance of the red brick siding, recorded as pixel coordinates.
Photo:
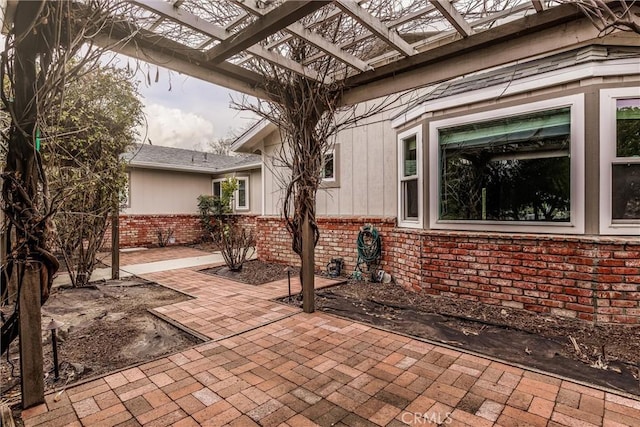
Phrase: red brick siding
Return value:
(592, 278)
(141, 230)
(338, 237)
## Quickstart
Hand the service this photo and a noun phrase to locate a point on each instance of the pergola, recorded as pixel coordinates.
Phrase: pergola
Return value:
(375, 47)
(365, 48)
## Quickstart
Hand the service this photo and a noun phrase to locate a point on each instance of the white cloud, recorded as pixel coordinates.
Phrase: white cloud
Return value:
(192, 113)
(173, 127)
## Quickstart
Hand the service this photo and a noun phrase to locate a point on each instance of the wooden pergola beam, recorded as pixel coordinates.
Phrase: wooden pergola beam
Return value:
(442, 38)
(377, 27)
(454, 17)
(298, 30)
(172, 55)
(274, 21)
(166, 10)
(160, 20)
(390, 25)
(538, 5)
(329, 48)
(536, 34)
(331, 15)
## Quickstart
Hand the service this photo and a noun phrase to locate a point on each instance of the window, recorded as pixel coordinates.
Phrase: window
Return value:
(125, 192)
(330, 172)
(217, 188)
(329, 167)
(242, 193)
(410, 178)
(509, 169)
(620, 161)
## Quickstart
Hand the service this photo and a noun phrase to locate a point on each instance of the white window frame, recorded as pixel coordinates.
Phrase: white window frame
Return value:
(213, 182)
(126, 193)
(324, 162)
(608, 158)
(575, 226)
(402, 136)
(238, 207)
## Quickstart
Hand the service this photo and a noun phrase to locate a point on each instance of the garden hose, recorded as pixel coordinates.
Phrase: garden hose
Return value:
(369, 244)
(369, 250)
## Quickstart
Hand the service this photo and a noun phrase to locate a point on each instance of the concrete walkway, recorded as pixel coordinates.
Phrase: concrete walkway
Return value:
(272, 365)
(165, 263)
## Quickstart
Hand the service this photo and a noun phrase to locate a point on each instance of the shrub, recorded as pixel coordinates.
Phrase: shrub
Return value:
(236, 245)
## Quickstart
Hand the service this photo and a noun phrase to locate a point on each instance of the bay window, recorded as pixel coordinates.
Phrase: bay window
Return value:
(410, 178)
(620, 161)
(515, 169)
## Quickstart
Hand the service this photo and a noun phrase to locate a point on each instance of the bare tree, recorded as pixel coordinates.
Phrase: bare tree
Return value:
(608, 16)
(49, 46)
(308, 115)
(220, 146)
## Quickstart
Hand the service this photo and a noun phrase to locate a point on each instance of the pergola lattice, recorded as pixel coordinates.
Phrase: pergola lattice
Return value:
(374, 47)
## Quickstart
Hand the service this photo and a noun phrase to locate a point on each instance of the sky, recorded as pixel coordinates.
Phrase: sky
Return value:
(191, 114)
(182, 111)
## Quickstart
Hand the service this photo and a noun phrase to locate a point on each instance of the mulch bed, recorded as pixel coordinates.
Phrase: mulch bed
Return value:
(254, 272)
(606, 355)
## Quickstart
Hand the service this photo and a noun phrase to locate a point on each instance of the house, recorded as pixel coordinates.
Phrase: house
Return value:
(164, 184)
(517, 186)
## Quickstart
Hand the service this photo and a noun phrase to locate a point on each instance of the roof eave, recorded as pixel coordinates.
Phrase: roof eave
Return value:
(540, 81)
(247, 142)
(192, 169)
(242, 168)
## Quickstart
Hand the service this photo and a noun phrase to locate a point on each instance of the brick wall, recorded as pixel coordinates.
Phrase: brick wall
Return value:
(141, 230)
(592, 278)
(338, 237)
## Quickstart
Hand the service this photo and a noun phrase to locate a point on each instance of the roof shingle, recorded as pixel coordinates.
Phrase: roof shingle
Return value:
(158, 157)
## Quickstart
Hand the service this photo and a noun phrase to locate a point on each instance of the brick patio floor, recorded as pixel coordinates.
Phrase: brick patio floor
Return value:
(271, 365)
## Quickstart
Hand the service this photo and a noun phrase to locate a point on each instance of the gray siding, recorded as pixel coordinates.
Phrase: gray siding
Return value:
(155, 191)
(158, 192)
(366, 173)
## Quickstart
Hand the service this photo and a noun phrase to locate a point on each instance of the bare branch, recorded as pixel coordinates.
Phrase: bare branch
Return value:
(609, 16)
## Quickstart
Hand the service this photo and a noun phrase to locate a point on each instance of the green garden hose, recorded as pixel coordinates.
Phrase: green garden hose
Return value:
(369, 250)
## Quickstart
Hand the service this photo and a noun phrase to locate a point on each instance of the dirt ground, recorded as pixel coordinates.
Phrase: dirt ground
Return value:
(254, 272)
(105, 327)
(607, 355)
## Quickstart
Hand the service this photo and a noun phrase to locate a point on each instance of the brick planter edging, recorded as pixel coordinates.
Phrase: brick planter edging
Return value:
(588, 277)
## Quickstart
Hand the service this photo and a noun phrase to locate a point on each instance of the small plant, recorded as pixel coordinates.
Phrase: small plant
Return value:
(213, 209)
(236, 245)
(165, 236)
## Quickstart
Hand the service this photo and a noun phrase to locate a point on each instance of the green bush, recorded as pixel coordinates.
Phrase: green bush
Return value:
(213, 209)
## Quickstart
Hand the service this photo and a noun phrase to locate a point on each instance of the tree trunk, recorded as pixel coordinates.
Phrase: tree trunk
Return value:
(308, 261)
